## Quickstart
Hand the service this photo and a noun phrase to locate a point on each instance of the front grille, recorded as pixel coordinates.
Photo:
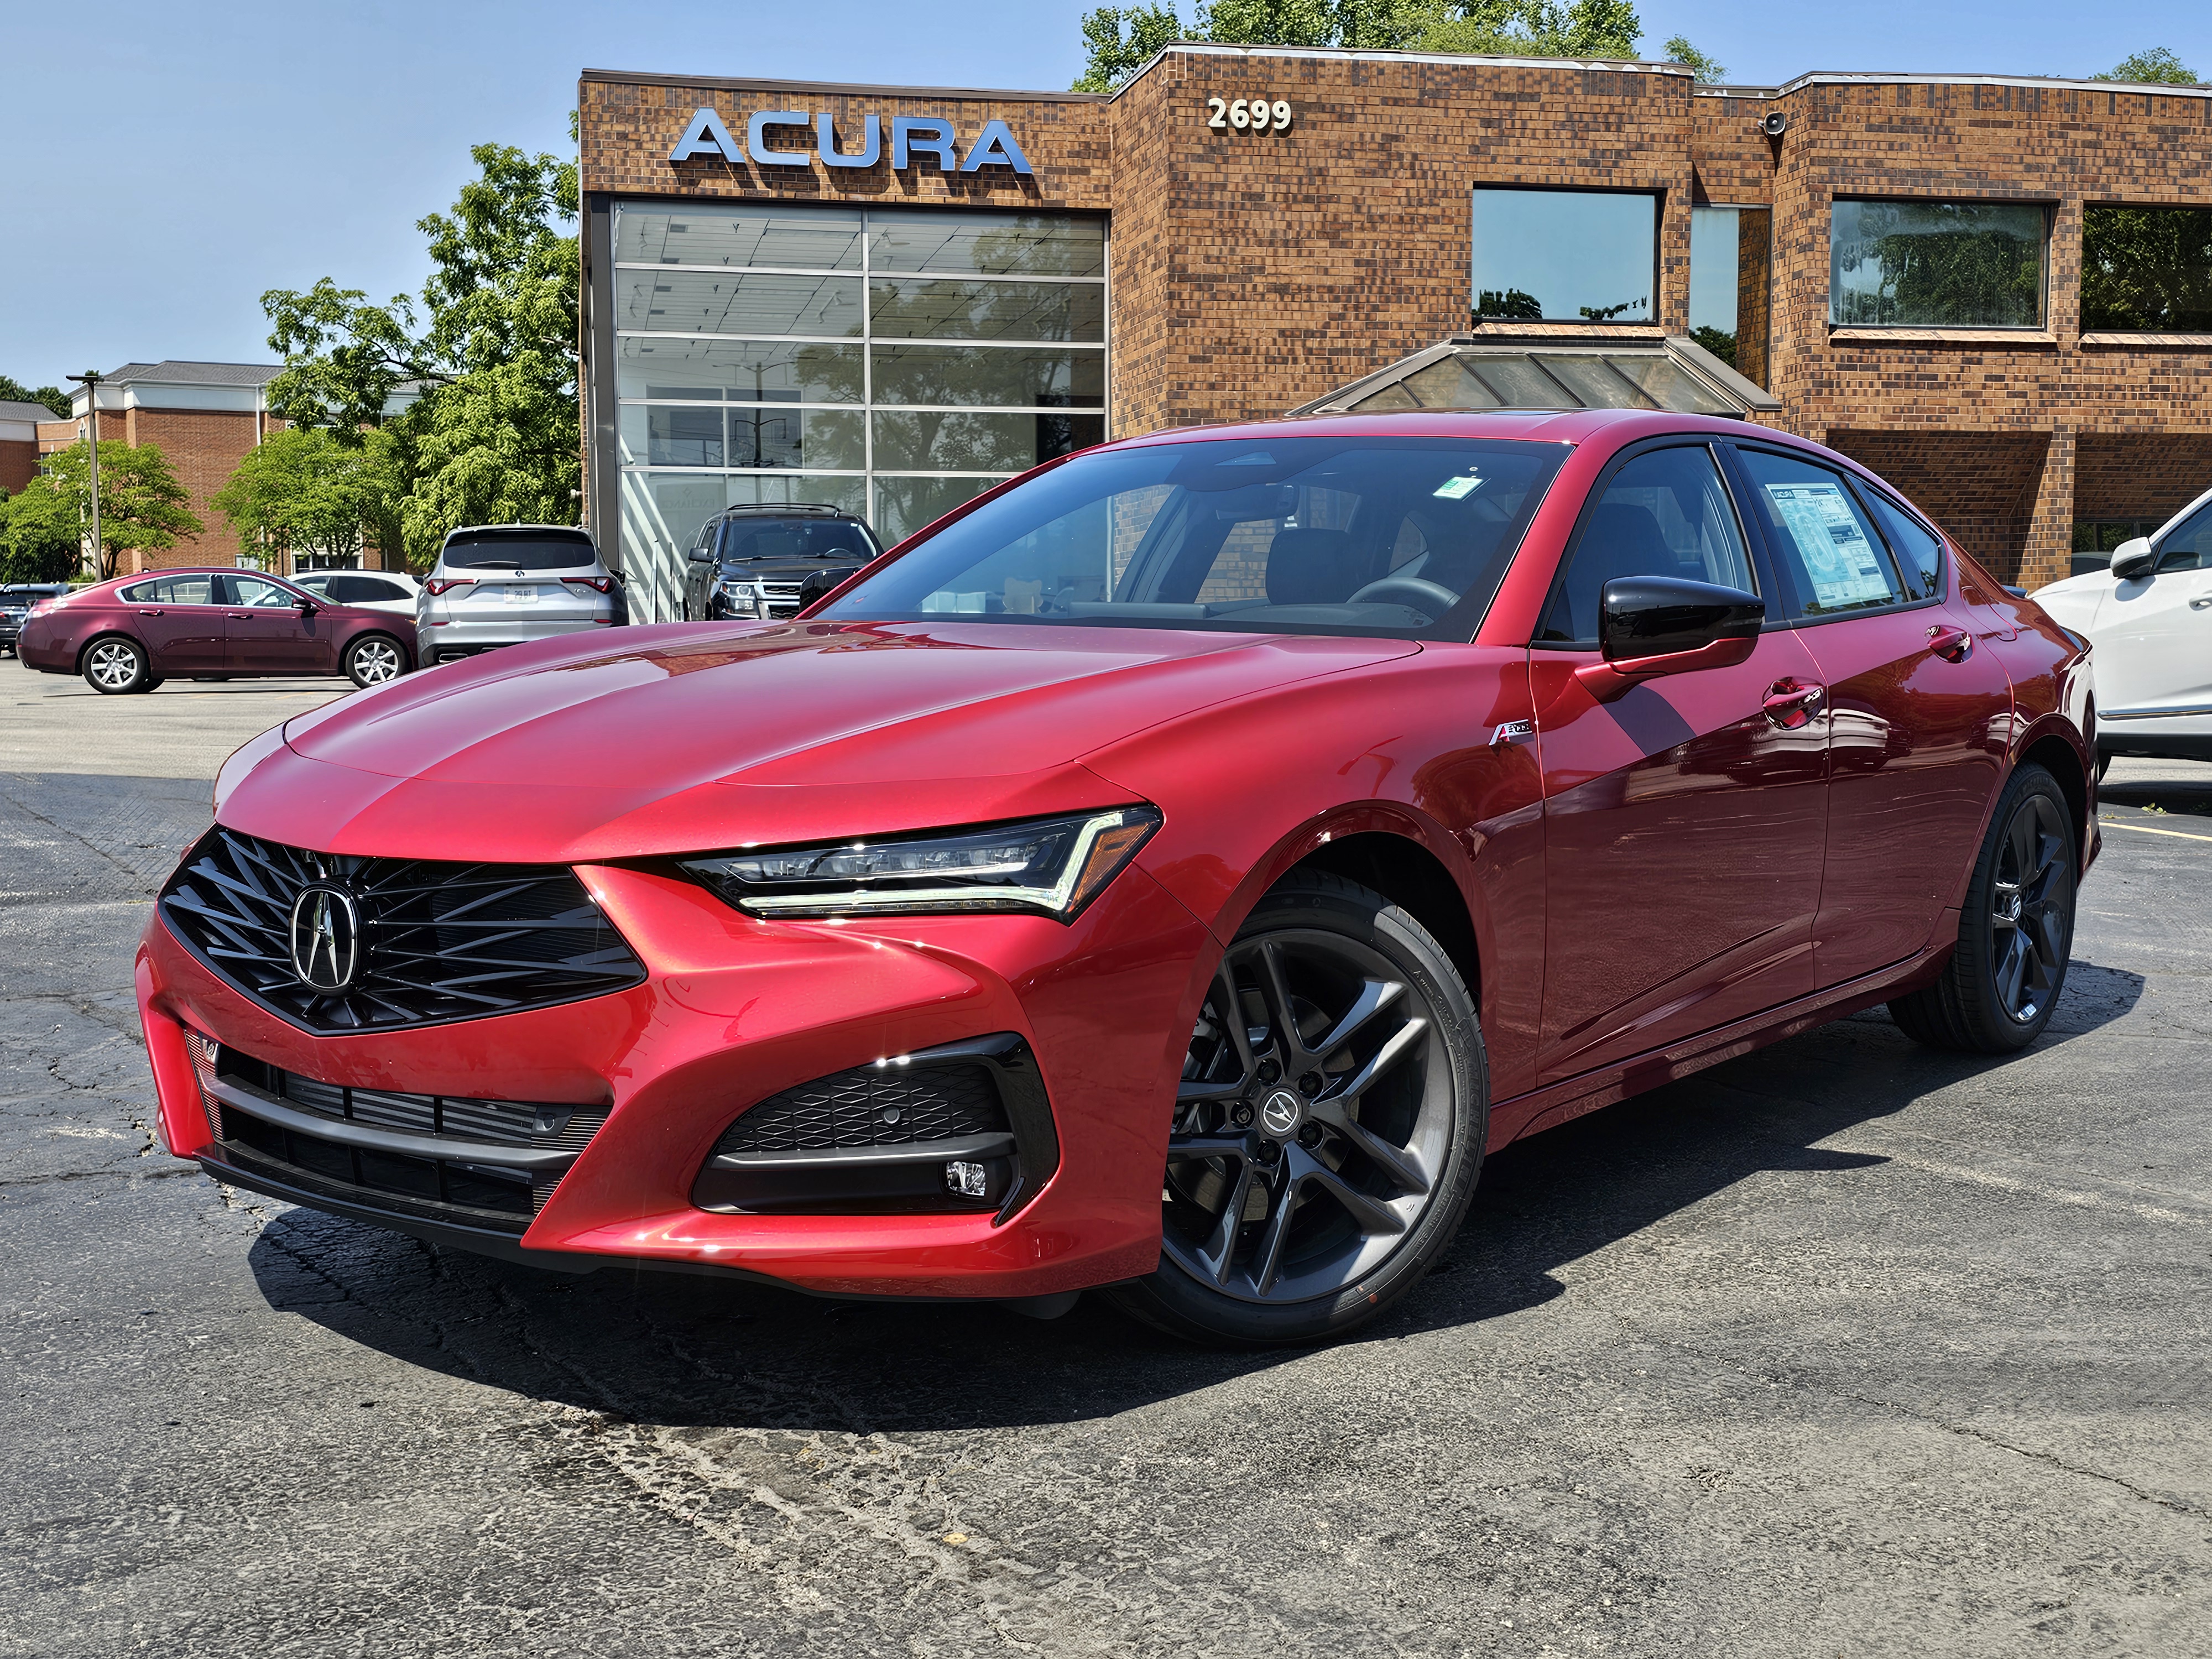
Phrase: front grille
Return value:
(782, 598)
(440, 941)
(384, 1163)
(880, 1105)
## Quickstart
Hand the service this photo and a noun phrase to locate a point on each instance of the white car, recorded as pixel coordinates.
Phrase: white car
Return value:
(394, 591)
(2150, 619)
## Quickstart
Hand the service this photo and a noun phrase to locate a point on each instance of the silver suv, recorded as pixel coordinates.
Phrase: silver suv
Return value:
(497, 584)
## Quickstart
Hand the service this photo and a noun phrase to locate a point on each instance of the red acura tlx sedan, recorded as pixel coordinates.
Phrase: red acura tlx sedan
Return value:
(134, 632)
(1171, 872)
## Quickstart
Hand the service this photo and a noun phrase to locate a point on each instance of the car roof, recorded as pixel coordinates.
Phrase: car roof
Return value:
(1568, 426)
(788, 509)
(463, 531)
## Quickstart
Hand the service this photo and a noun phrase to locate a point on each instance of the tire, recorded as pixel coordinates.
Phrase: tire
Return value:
(374, 660)
(1382, 1158)
(2015, 930)
(115, 667)
(211, 680)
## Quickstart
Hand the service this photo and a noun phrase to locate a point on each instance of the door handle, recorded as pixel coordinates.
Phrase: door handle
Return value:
(153, 613)
(2205, 603)
(1952, 644)
(1791, 703)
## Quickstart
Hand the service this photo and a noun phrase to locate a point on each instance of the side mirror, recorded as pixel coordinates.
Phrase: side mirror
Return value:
(2133, 558)
(700, 556)
(1653, 625)
(306, 607)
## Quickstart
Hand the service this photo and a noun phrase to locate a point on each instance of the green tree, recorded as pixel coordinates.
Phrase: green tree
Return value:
(477, 391)
(1117, 43)
(302, 490)
(41, 540)
(1710, 70)
(13, 390)
(2157, 67)
(142, 506)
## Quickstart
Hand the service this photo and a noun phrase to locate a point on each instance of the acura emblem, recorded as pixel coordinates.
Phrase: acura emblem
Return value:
(1280, 1112)
(325, 937)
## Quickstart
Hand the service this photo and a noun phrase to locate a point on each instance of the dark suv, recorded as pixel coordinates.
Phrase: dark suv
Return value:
(16, 600)
(765, 562)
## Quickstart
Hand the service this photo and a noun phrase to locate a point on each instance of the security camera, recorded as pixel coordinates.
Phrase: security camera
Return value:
(1775, 124)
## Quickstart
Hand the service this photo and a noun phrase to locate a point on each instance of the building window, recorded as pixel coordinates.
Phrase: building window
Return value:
(1731, 269)
(1571, 255)
(2146, 269)
(894, 362)
(1937, 264)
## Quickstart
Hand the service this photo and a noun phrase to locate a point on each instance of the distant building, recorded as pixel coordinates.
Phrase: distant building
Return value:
(19, 442)
(204, 417)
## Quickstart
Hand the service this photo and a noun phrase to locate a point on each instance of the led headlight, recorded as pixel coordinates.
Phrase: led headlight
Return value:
(746, 598)
(1048, 866)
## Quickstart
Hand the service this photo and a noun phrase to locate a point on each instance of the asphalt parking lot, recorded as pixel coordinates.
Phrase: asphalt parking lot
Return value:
(1842, 1348)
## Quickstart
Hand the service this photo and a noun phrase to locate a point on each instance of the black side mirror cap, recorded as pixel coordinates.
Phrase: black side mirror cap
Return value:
(1661, 615)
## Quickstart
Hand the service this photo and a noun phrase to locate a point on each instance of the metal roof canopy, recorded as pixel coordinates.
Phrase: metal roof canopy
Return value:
(1556, 371)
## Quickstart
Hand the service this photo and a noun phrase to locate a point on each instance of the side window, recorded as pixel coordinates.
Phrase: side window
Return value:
(1919, 550)
(174, 590)
(343, 590)
(251, 591)
(372, 589)
(2189, 545)
(1664, 513)
(1820, 536)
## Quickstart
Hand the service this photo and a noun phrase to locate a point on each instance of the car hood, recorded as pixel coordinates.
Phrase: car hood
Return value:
(676, 737)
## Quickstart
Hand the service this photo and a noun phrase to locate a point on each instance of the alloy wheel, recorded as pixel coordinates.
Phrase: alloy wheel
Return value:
(2029, 920)
(114, 665)
(1313, 1121)
(374, 662)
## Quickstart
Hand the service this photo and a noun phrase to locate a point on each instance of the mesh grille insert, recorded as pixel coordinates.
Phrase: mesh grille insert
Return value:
(440, 941)
(871, 1106)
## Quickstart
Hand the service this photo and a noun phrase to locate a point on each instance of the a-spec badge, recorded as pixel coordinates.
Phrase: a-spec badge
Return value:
(325, 937)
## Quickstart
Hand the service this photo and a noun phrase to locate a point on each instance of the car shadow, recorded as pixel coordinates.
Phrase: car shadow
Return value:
(681, 1350)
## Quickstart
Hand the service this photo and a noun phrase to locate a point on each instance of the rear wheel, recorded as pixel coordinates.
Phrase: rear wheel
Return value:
(374, 660)
(2015, 933)
(116, 666)
(1329, 1129)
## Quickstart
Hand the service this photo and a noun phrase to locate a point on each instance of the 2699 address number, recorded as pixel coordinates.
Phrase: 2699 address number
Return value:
(1249, 114)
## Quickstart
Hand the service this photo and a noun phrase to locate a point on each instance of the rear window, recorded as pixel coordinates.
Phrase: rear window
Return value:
(522, 551)
(746, 539)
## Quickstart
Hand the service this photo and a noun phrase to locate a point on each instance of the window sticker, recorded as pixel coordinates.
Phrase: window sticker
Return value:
(1844, 567)
(1457, 489)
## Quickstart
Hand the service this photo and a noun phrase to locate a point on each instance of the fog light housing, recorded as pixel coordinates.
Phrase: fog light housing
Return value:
(967, 1179)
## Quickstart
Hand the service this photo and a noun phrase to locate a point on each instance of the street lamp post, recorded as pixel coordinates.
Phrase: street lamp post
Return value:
(90, 381)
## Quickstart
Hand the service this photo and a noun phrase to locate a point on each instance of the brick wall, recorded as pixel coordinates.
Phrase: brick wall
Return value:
(2135, 475)
(19, 463)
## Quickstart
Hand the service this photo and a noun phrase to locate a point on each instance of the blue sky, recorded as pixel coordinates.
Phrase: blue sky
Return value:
(166, 163)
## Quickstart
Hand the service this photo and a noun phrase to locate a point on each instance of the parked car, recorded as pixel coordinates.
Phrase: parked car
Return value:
(130, 633)
(16, 600)
(1174, 875)
(767, 561)
(394, 592)
(499, 585)
(2150, 617)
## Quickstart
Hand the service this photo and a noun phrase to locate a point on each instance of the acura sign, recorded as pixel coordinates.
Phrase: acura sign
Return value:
(773, 140)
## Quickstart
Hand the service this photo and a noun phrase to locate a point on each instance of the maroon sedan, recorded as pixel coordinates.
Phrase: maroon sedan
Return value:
(132, 634)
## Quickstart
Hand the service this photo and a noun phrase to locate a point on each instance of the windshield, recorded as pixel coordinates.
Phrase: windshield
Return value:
(746, 541)
(519, 552)
(1284, 534)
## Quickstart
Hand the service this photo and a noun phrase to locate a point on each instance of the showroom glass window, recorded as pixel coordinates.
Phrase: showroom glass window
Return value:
(2147, 269)
(1579, 255)
(893, 362)
(1731, 272)
(1937, 264)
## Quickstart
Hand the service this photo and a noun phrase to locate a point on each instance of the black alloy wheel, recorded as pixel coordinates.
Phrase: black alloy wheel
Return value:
(115, 667)
(2015, 933)
(1329, 1129)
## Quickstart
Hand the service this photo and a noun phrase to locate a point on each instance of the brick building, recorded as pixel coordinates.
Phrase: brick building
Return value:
(889, 297)
(19, 442)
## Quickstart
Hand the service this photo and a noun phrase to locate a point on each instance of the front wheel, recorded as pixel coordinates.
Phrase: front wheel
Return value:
(374, 660)
(116, 667)
(1329, 1130)
(2015, 933)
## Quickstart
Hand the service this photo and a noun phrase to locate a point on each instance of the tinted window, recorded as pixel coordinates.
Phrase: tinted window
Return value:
(1583, 255)
(1285, 534)
(1919, 550)
(1936, 264)
(174, 590)
(2146, 268)
(795, 538)
(523, 552)
(361, 590)
(257, 594)
(2189, 545)
(1664, 513)
(1819, 535)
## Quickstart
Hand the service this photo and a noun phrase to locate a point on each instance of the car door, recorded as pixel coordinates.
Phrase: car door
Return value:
(179, 619)
(1684, 820)
(1917, 712)
(2154, 633)
(265, 632)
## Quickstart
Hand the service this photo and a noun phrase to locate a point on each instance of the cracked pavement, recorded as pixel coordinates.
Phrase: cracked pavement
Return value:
(1843, 1347)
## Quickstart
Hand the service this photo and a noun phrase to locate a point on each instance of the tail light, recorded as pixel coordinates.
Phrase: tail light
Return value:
(596, 584)
(437, 585)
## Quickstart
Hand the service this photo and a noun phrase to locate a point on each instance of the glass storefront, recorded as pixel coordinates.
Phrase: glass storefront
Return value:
(891, 362)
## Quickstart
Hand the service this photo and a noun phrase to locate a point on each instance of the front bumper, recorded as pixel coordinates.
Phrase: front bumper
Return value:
(733, 1013)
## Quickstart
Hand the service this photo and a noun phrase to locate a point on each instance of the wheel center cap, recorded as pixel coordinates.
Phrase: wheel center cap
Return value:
(1281, 1113)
